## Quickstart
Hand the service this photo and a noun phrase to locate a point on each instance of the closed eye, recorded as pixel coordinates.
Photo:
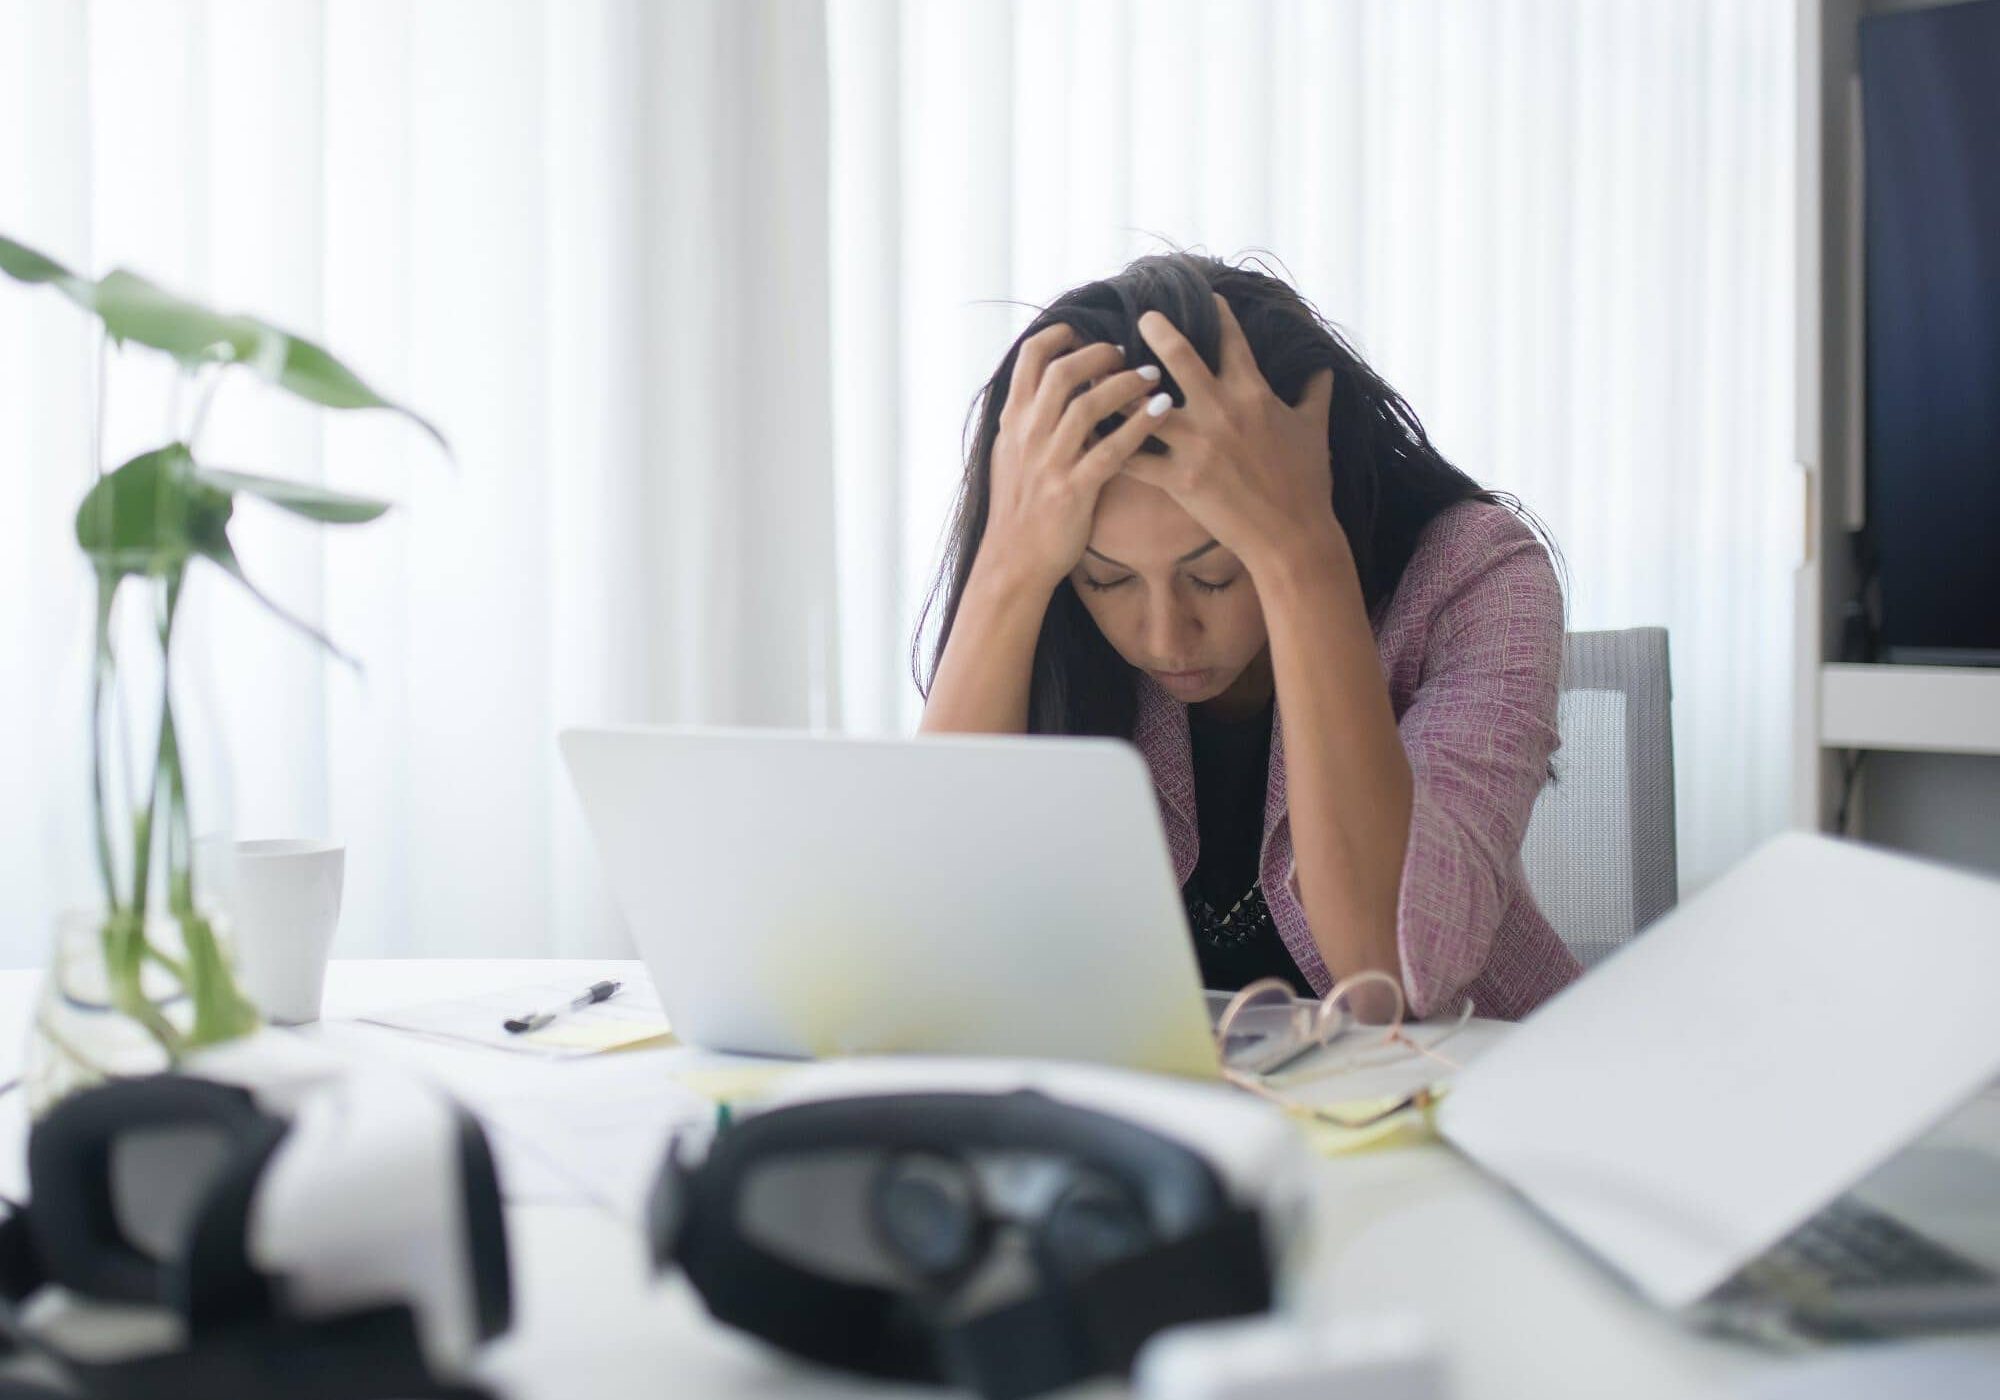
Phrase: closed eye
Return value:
(1205, 586)
(1097, 587)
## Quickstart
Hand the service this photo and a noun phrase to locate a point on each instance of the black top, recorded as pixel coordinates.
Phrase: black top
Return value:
(1235, 938)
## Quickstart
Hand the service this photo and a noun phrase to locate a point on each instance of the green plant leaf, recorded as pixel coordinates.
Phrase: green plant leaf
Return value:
(135, 309)
(159, 510)
(24, 264)
(312, 502)
(316, 376)
(148, 515)
(215, 548)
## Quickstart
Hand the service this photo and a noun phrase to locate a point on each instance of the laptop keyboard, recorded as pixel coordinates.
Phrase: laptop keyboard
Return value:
(1849, 1245)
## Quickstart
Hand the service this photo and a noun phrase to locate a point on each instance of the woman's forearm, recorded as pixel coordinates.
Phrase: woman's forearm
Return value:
(981, 686)
(1348, 782)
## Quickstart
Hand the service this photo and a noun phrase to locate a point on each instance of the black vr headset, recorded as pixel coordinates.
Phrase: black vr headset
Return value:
(335, 1237)
(1006, 1239)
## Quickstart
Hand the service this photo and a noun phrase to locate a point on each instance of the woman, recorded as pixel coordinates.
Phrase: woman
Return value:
(1193, 517)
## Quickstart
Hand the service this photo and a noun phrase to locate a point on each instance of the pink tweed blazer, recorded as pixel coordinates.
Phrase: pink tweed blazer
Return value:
(1471, 646)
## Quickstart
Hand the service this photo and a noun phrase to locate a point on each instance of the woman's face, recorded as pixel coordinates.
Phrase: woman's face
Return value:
(1172, 601)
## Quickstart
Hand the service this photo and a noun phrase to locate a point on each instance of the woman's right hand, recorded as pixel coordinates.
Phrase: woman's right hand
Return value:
(1046, 470)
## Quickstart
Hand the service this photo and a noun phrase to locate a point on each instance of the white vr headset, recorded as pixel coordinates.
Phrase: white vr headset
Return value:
(1007, 1228)
(325, 1233)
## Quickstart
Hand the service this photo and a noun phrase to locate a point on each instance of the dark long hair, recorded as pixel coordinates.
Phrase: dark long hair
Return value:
(1388, 481)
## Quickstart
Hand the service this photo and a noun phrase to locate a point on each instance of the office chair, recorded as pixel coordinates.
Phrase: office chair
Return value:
(1599, 852)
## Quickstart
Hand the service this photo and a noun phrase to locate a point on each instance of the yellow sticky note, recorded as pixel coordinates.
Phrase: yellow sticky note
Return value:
(592, 1037)
(1406, 1128)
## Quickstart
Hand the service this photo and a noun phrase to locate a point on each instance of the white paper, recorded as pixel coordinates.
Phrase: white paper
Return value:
(595, 1131)
(632, 1017)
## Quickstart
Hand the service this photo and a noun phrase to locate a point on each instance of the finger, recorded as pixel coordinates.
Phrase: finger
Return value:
(1068, 374)
(1177, 355)
(1150, 468)
(1117, 448)
(1239, 361)
(1104, 398)
(1033, 357)
(1317, 400)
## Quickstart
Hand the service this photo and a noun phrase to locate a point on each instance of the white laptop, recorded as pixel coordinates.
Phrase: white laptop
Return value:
(1696, 1111)
(802, 895)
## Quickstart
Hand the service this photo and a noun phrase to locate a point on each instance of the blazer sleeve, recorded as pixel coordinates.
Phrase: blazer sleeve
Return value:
(1479, 734)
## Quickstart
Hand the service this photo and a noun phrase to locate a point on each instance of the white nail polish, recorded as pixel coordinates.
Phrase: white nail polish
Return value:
(1119, 348)
(1159, 404)
(1149, 373)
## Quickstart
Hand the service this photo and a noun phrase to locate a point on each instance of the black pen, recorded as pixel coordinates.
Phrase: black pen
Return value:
(535, 1020)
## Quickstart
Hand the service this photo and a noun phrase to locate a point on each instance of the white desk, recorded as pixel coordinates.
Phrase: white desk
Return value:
(1520, 1312)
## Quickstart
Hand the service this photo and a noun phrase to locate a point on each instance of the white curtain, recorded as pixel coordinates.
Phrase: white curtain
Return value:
(701, 291)
(1563, 228)
(586, 237)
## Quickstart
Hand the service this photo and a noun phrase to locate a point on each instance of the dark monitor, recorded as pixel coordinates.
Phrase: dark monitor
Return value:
(1930, 98)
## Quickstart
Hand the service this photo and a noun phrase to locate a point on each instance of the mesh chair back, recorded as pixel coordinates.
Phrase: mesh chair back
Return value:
(1599, 852)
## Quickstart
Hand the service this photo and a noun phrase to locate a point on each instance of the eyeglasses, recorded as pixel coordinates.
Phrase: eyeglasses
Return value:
(1264, 1032)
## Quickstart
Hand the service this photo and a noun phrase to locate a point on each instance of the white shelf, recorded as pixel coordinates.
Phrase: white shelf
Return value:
(1936, 709)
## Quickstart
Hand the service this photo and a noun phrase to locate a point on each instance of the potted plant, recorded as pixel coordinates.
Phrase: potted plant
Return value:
(143, 977)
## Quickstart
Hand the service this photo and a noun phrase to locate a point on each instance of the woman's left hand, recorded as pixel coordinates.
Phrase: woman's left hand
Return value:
(1255, 471)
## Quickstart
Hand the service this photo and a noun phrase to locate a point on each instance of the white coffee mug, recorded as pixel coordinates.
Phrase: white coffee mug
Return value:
(287, 904)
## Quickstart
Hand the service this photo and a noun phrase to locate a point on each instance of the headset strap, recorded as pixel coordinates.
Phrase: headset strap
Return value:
(372, 1354)
(21, 1271)
(367, 1355)
(1094, 1325)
